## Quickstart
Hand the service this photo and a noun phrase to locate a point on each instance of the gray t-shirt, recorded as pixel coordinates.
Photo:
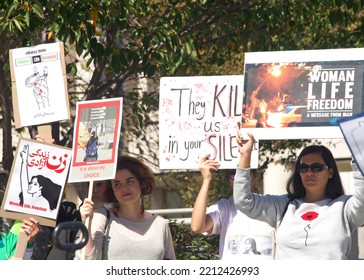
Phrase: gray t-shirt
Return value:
(122, 239)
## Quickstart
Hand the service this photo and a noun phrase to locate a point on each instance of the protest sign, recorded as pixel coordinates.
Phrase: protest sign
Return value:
(39, 84)
(37, 180)
(301, 94)
(353, 131)
(198, 115)
(96, 140)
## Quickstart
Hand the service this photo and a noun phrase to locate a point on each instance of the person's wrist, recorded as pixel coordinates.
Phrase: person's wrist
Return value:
(207, 179)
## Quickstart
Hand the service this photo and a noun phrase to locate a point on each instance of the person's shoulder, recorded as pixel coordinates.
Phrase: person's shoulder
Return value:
(104, 211)
(157, 218)
(225, 201)
(343, 198)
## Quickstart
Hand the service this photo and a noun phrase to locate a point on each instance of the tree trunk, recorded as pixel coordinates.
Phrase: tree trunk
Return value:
(6, 108)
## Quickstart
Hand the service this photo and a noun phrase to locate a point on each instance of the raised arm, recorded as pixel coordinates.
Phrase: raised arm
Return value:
(355, 205)
(265, 208)
(200, 222)
(245, 147)
(24, 176)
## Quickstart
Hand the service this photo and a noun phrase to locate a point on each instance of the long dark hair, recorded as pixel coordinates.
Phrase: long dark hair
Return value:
(50, 191)
(334, 187)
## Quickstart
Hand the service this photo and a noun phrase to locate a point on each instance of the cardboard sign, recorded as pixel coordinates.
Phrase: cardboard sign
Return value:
(302, 94)
(353, 131)
(199, 115)
(39, 84)
(37, 180)
(96, 140)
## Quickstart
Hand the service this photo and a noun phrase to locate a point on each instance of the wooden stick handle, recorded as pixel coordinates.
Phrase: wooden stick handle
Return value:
(21, 245)
(87, 224)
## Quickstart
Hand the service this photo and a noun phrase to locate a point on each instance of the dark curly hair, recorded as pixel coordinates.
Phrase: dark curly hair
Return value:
(141, 171)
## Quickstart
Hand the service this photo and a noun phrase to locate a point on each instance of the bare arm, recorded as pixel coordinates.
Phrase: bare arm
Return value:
(200, 222)
(86, 211)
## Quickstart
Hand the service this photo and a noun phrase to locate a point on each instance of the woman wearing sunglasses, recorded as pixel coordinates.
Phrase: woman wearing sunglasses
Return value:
(315, 219)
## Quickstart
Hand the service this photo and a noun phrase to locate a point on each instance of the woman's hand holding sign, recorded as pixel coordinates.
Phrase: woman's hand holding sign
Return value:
(245, 147)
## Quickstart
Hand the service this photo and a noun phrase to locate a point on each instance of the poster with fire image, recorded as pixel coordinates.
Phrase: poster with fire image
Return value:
(304, 92)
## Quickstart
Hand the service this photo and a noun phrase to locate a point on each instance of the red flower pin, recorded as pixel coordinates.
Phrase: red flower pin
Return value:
(309, 216)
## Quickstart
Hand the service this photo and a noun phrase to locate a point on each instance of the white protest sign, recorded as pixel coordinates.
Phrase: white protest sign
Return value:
(39, 84)
(353, 131)
(38, 176)
(198, 115)
(96, 140)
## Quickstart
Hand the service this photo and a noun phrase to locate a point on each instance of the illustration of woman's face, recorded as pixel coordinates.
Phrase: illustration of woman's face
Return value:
(34, 186)
(248, 245)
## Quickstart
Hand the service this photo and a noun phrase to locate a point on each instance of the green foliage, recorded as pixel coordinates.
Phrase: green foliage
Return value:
(126, 40)
(192, 246)
(123, 40)
(188, 183)
(286, 151)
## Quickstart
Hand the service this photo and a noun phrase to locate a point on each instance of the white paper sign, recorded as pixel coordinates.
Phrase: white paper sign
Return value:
(39, 84)
(353, 131)
(38, 176)
(199, 115)
(96, 140)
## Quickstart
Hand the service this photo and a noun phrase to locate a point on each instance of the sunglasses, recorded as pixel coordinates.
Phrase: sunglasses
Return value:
(315, 167)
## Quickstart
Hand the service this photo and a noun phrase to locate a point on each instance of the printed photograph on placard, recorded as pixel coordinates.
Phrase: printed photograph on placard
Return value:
(305, 97)
(96, 138)
(258, 246)
(37, 180)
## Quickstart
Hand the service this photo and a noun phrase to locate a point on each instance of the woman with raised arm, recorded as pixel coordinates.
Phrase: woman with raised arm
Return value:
(315, 219)
(222, 218)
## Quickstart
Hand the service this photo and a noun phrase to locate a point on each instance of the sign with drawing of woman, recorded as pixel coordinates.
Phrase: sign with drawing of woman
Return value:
(37, 179)
(96, 140)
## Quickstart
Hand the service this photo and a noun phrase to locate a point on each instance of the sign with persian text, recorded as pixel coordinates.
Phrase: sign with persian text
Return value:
(38, 176)
(39, 84)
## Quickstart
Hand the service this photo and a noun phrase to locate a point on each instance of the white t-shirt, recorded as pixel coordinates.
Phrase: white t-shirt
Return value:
(238, 233)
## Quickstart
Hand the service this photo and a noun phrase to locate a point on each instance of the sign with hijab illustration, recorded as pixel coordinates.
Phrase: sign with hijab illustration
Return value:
(39, 84)
(96, 139)
(37, 179)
